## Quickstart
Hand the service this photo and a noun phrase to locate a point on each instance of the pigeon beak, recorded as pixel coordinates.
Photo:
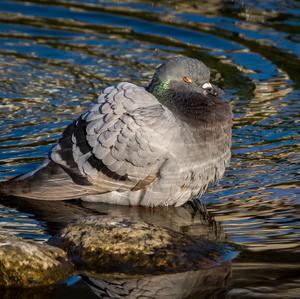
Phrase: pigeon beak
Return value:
(206, 85)
(209, 89)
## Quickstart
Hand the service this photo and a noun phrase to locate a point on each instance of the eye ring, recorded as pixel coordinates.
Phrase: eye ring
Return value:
(186, 80)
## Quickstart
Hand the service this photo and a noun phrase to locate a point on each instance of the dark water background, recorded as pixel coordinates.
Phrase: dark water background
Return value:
(55, 57)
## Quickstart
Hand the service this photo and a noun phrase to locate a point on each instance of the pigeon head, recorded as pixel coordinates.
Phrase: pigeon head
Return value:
(182, 75)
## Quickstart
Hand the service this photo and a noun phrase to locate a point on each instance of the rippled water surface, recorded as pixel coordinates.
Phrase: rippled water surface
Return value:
(55, 57)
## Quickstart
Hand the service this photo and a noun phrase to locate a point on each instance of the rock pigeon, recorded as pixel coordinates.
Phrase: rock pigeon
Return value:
(159, 145)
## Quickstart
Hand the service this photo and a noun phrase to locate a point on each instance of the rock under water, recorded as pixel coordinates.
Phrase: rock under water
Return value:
(106, 244)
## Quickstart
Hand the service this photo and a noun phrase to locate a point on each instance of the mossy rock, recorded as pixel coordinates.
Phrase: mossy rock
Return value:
(25, 263)
(106, 244)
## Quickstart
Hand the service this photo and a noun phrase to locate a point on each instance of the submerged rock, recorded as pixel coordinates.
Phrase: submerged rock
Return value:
(25, 263)
(106, 244)
(26, 293)
(192, 218)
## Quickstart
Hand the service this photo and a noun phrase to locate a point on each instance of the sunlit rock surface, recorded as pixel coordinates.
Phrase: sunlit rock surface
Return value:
(26, 263)
(105, 244)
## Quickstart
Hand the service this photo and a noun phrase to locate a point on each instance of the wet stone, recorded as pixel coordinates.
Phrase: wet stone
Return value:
(106, 244)
(25, 263)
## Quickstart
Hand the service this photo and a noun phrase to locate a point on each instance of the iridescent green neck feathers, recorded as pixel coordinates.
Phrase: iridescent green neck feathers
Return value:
(159, 89)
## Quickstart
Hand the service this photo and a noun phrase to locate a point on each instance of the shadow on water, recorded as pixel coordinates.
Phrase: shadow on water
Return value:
(55, 57)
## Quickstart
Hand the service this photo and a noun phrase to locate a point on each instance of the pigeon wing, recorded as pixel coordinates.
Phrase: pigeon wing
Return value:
(120, 144)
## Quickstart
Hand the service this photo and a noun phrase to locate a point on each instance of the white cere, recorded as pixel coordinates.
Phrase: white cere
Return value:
(206, 85)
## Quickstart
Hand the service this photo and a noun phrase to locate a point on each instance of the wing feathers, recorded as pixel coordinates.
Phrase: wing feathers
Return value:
(111, 144)
(119, 145)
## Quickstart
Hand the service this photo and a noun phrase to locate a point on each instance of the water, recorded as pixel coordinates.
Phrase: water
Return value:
(55, 56)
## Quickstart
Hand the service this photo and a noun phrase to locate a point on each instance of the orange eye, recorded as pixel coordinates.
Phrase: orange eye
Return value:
(187, 80)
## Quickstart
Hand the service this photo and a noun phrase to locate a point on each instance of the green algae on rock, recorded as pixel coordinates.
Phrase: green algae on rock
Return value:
(25, 263)
(106, 244)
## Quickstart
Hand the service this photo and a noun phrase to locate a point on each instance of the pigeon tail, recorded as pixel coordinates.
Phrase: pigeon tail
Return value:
(48, 182)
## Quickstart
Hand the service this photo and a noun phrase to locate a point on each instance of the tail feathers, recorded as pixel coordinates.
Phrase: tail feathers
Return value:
(49, 182)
